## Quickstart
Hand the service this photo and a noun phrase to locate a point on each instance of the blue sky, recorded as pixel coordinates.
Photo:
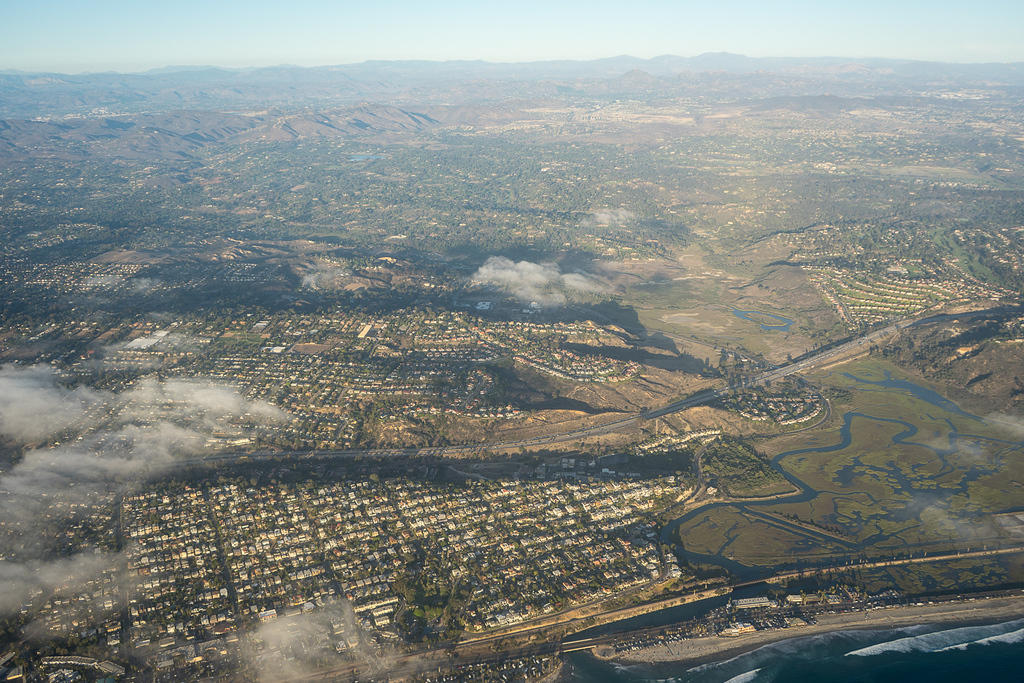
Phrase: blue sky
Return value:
(91, 35)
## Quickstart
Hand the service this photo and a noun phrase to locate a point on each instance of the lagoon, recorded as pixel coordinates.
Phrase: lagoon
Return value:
(763, 319)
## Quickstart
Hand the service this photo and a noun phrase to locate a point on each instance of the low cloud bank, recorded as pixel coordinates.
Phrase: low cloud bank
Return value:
(293, 648)
(611, 216)
(124, 438)
(325, 276)
(34, 405)
(22, 581)
(1011, 423)
(543, 283)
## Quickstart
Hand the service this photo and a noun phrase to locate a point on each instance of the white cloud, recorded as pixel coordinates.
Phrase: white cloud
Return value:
(1011, 423)
(22, 580)
(325, 276)
(543, 283)
(34, 405)
(143, 285)
(291, 648)
(611, 216)
(141, 433)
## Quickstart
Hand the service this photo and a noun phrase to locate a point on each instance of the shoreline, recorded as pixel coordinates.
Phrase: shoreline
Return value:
(719, 648)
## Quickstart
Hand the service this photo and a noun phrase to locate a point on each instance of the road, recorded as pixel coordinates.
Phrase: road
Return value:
(611, 616)
(551, 636)
(819, 358)
(896, 562)
(700, 398)
(547, 638)
(809, 362)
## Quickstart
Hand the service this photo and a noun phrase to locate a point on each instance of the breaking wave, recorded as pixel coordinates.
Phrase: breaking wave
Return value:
(745, 677)
(771, 651)
(1005, 638)
(940, 640)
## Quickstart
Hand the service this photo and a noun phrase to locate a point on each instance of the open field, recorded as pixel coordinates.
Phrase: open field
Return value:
(692, 296)
(897, 468)
(939, 577)
(496, 354)
(753, 540)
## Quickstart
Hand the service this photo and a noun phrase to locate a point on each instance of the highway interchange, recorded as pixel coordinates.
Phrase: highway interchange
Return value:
(812, 360)
(808, 362)
(548, 638)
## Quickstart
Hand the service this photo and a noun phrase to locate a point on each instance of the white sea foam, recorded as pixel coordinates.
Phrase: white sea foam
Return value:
(788, 647)
(937, 640)
(1005, 638)
(745, 677)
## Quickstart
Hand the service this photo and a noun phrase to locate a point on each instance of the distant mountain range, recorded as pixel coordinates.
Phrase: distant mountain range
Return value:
(32, 95)
(180, 134)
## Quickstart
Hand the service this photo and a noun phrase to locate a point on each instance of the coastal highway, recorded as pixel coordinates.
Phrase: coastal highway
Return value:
(808, 362)
(544, 637)
(822, 357)
(701, 398)
(622, 614)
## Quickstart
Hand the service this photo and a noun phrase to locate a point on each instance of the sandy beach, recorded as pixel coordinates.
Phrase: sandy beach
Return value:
(712, 648)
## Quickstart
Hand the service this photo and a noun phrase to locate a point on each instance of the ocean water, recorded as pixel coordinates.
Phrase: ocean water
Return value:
(987, 652)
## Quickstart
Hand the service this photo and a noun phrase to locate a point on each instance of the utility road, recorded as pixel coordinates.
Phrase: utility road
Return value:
(808, 362)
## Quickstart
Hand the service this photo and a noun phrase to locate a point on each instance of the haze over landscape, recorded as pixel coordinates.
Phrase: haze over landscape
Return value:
(118, 35)
(449, 342)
